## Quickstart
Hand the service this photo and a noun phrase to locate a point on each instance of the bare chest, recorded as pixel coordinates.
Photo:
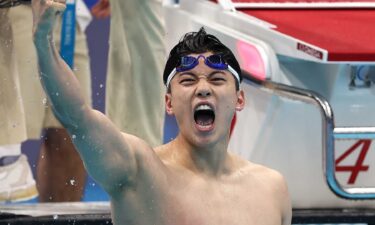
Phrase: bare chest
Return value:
(222, 208)
(198, 204)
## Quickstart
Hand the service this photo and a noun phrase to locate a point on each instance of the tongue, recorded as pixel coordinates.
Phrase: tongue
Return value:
(204, 119)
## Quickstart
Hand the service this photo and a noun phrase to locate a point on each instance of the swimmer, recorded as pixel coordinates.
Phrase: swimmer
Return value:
(193, 179)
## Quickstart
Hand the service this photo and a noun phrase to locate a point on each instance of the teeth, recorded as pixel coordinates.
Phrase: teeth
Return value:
(203, 107)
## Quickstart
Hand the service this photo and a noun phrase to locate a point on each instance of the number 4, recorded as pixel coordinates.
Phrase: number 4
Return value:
(358, 167)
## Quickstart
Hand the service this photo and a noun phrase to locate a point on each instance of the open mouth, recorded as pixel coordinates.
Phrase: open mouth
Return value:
(204, 115)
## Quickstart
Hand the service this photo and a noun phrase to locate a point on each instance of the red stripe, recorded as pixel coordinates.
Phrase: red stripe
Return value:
(347, 34)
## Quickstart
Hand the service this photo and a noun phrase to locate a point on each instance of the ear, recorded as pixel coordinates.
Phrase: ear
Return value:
(240, 100)
(168, 104)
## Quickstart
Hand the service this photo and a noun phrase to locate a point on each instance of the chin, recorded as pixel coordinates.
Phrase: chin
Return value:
(206, 141)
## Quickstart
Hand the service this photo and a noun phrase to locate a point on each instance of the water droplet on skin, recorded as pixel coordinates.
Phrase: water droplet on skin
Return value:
(72, 182)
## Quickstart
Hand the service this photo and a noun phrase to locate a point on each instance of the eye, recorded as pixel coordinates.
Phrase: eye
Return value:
(218, 79)
(187, 80)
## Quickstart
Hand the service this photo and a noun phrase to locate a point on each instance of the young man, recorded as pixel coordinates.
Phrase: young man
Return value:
(191, 180)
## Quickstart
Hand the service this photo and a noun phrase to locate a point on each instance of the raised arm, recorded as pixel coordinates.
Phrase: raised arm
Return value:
(109, 155)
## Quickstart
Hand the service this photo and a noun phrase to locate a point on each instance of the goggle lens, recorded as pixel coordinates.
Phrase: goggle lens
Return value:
(213, 61)
(187, 61)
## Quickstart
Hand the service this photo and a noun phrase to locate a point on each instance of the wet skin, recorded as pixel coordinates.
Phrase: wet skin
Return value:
(191, 180)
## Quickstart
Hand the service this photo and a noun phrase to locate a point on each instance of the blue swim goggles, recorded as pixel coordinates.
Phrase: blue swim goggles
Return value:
(213, 61)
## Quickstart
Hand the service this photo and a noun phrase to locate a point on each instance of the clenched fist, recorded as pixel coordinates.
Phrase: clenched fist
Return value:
(45, 13)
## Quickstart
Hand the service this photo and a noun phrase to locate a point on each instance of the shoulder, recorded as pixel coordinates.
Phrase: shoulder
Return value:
(264, 175)
(266, 179)
(270, 176)
(271, 179)
(275, 188)
(278, 191)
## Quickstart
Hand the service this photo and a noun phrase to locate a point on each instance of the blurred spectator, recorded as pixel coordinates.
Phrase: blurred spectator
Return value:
(134, 89)
(26, 113)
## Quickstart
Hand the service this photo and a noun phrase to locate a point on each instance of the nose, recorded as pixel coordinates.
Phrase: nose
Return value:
(203, 89)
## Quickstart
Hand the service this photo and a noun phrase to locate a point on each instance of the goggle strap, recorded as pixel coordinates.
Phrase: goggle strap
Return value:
(170, 76)
(235, 74)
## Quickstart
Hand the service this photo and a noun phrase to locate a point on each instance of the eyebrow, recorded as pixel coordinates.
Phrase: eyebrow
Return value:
(194, 74)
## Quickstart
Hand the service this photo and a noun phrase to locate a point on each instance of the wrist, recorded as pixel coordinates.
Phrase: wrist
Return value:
(41, 37)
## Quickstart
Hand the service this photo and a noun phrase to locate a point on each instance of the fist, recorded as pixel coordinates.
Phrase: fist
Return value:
(45, 13)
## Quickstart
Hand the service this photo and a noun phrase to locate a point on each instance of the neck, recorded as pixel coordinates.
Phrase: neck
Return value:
(212, 160)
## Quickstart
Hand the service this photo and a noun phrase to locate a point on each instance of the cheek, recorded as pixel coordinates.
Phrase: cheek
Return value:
(180, 103)
(229, 106)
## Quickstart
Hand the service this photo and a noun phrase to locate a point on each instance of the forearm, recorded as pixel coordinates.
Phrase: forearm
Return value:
(59, 82)
(96, 139)
(108, 155)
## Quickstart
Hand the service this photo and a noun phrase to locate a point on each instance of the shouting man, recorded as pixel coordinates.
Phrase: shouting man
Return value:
(193, 179)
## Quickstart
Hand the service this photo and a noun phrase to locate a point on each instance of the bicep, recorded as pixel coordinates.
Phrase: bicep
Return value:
(108, 155)
(280, 195)
(114, 159)
(285, 202)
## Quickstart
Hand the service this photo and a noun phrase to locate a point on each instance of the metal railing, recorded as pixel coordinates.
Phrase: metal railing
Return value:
(329, 134)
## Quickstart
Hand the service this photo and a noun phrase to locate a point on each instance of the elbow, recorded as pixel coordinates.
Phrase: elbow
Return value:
(70, 119)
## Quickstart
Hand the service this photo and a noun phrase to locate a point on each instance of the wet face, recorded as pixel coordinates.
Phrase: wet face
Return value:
(204, 101)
